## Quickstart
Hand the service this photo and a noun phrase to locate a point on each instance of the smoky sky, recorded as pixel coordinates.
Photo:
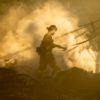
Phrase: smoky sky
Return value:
(86, 10)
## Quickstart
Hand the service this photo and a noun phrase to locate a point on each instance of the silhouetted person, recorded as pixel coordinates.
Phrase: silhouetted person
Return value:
(45, 51)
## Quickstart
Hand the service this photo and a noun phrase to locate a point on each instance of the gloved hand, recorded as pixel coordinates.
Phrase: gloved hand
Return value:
(64, 48)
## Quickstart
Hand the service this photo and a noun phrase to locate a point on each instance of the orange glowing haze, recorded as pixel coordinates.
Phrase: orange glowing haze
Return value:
(25, 30)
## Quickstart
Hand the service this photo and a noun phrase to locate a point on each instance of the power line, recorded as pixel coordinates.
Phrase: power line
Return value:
(76, 45)
(81, 27)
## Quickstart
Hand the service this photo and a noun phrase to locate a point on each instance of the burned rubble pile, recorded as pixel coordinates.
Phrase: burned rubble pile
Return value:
(73, 84)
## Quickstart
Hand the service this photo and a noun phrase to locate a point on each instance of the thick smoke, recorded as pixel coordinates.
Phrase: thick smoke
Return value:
(25, 29)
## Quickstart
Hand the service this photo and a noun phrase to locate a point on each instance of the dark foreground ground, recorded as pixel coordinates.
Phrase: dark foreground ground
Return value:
(73, 84)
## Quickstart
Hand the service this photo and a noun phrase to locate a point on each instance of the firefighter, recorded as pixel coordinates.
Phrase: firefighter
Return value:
(45, 51)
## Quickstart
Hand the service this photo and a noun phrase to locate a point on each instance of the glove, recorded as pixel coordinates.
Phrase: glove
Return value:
(64, 48)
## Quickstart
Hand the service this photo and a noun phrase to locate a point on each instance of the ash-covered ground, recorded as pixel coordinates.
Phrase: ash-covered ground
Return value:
(72, 84)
